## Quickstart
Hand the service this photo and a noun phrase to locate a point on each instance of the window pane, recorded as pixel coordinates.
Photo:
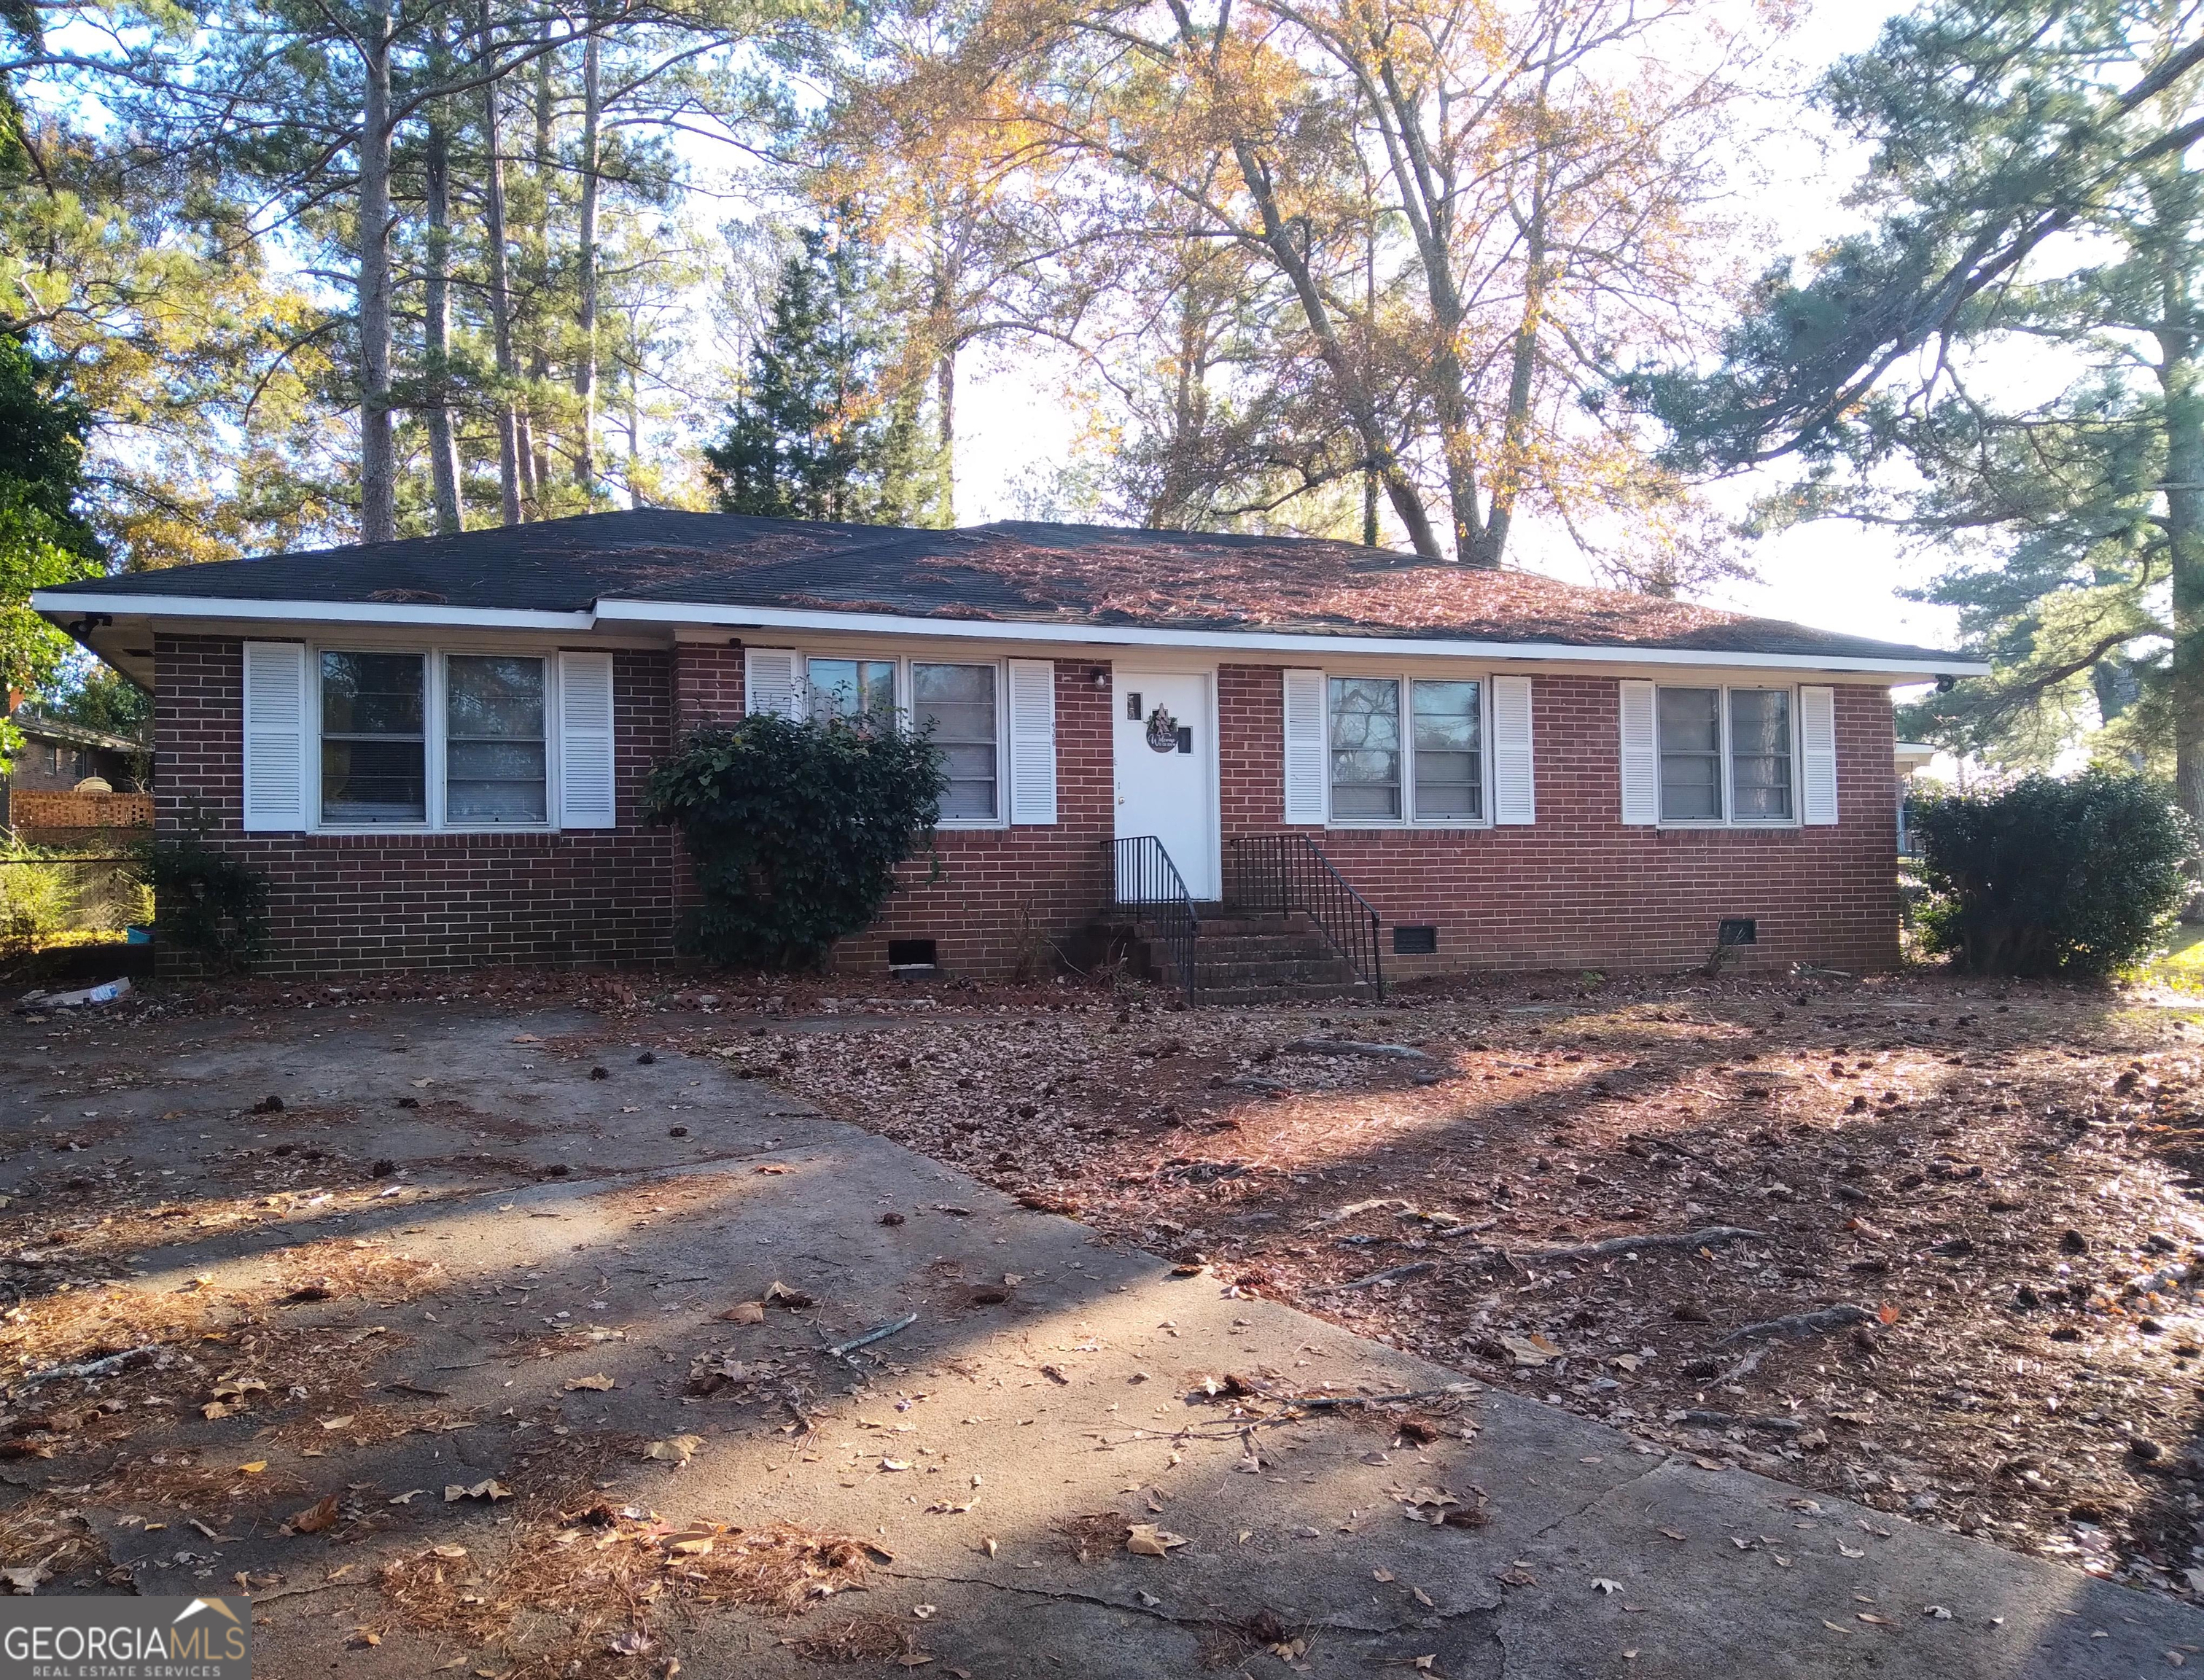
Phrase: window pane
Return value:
(955, 704)
(1760, 748)
(1366, 747)
(852, 688)
(494, 745)
(372, 762)
(1690, 755)
(1449, 757)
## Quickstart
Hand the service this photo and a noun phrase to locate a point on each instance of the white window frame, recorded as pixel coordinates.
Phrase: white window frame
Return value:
(1000, 664)
(1409, 819)
(433, 723)
(1727, 780)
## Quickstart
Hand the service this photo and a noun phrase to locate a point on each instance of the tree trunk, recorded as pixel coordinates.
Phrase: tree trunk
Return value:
(500, 287)
(1426, 197)
(378, 447)
(1278, 242)
(1507, 472)
(944, 396)
(536, 460)
(2181, 382)
(585, 369)
(634, 416)
(436, 323)
(941, 325)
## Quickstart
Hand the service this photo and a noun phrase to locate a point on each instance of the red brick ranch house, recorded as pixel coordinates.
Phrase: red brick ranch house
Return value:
(435, 749)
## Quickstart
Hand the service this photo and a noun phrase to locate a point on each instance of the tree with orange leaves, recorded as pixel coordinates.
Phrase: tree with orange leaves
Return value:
(1455, 214)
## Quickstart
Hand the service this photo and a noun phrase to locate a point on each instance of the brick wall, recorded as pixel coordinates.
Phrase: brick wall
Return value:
(989, 899)
(354, 903)
(1578, 889)
(34, 812)
(707, 683)
(1010, 898)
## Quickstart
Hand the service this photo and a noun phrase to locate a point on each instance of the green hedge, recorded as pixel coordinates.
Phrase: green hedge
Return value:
(2074, 877)
(795, 830)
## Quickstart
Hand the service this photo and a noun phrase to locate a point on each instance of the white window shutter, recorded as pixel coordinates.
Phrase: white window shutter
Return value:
(585, 740)
(770, 681)
(1305, 746)
(1514, 784)
(1818, 732)
(274, 736)
(1033, 740)
(1641, 756)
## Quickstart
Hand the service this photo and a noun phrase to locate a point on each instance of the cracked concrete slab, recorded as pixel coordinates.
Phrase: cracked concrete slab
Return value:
(577, 1237)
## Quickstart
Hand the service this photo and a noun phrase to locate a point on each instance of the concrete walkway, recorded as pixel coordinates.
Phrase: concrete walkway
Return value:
(973, 1448)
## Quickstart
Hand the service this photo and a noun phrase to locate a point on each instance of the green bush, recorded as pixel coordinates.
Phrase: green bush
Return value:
(795, 830)
(208, 905)
(2050, 877)
(36, 898)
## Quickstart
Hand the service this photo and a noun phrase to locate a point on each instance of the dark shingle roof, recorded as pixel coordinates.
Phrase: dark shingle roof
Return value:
(558, 566)
(1013, 570)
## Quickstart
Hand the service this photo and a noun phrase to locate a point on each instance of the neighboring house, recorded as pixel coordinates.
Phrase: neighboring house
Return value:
(39, 800)
(436, 749)
(1912, 758)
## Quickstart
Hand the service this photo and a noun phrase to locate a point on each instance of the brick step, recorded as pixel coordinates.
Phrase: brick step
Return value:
(1322, 959)
(1240, 945)
(1237, 927)
(1300, 993)
(1246, 958)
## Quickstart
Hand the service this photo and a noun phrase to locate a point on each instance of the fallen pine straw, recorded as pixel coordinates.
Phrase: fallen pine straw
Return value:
(47, 1536)
(1094, 1536)
(569, 1572)
(863, 1639)
(1356, 1047)
(1713, 1237)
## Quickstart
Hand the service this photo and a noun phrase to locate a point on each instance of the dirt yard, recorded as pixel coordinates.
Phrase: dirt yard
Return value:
(1923, 1245)
(1975, 1207)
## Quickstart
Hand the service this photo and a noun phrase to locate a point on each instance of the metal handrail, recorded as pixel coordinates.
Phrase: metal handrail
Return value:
(1143, 877)
(1286, 873)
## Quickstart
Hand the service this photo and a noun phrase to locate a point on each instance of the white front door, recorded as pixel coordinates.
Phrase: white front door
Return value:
(1166, 758)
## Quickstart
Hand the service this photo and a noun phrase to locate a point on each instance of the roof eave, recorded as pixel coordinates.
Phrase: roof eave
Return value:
(1910, 667)
(59, 604)
(70, 609)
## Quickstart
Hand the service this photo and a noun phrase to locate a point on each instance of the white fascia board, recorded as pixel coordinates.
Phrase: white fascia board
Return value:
(61, 602)
(1142, 636)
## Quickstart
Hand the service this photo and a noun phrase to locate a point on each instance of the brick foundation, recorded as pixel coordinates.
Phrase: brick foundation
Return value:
(1576, 890)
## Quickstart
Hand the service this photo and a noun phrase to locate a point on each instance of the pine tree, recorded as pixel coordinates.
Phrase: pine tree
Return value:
(822, 432)
(42, 541)
(2007, 361)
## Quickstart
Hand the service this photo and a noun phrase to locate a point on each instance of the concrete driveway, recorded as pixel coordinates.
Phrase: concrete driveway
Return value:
(511, 1288)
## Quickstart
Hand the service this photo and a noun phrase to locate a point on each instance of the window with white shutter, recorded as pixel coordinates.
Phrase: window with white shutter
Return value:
(274, 736)
(1817, 731)
(771, 681)
(1514, 780)
(1641, 756)
(1033, 740)
(1727, 757)
(1305, 746)
(585, 740)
